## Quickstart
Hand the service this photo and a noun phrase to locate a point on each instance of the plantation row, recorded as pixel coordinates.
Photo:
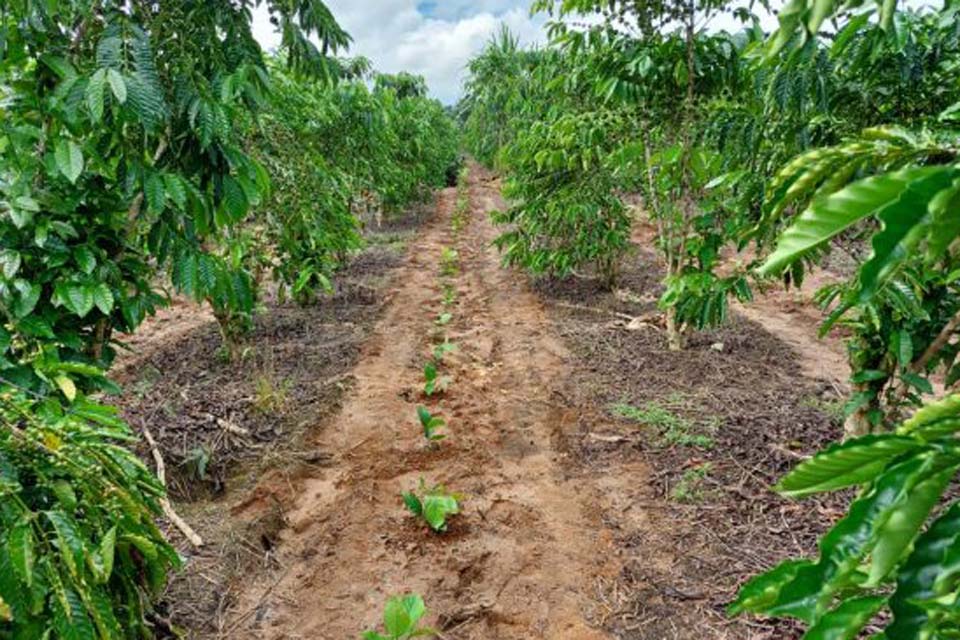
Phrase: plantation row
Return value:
(838, 130)
(148, 149)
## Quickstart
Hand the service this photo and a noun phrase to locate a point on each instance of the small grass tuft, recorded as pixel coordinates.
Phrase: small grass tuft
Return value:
(673, 429)
(690, 486)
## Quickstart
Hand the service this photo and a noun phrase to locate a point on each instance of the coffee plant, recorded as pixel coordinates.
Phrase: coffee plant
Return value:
(143, 144)
(433, 505)
(401, 620)
(430, 424)
(837, 131)
(434, 383)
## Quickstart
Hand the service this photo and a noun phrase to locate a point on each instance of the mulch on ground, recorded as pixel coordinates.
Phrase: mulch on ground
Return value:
(739, 414)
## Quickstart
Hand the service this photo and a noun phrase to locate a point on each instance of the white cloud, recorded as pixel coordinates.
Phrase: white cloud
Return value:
(433, 38)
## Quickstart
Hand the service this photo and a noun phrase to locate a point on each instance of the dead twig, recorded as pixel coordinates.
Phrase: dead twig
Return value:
(168, 510)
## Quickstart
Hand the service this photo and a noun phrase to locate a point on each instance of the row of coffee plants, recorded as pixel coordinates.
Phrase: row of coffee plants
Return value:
(431, 504)
(142, 143)
(837, 131)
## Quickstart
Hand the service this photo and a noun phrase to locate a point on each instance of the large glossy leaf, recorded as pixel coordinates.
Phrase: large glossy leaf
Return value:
(915, 580)
(934, 420)
(903, 525)
(397, 618)
(828, 216)
(69, 159)
(94, 94)
(845, 464)
(905, 222)
(847, 620)
(762, 591)
(847, 544)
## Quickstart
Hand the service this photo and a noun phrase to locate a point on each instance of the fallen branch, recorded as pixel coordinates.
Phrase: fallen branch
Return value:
(622, 316)
(168, 511)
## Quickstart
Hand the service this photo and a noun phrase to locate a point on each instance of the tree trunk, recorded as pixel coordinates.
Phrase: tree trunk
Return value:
(858, 423)
(674, 332)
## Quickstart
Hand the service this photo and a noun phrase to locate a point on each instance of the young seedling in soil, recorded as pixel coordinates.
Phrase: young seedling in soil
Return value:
(443, 349)
(401, 619)
(433, 506)
(449, 263)
(449, 294)
(430, 424)
(443, 319)
(434, 383)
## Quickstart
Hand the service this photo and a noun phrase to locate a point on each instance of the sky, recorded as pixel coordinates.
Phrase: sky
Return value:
(432, 38)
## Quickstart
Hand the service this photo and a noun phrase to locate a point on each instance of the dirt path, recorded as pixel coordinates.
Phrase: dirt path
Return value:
(522, 558)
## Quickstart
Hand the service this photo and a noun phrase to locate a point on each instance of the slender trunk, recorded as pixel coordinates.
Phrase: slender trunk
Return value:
(674, 331)
(858, 423)
(101, 337)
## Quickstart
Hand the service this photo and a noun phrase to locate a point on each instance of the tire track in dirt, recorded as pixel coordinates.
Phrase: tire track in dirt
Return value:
(521, 559)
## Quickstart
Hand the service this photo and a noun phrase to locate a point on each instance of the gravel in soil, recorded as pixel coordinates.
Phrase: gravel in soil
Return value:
(716, 424)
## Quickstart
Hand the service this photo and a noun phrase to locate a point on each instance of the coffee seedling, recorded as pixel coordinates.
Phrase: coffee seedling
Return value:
(433, 506)
(443, 319)
(449, 262)
(449, 294)
(401, 619)
(430, 424)
(443, 349)
(434, 382)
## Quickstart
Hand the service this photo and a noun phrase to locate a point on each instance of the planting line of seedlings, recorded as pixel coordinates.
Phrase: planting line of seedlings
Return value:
(432, 504)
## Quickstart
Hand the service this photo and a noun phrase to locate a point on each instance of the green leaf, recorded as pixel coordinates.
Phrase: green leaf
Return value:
(845, 464)
(234, 199)
(176, 189)
(904, 348)
(71, 544)
(85, 259)
(69, 159)
(847, 620)
(29, 296)
(21, 548)
(869, 375)
(70, 620)
(67, 387)
(898, 532)
(847, 544)
(915, 580)
(94, 94)
(155, 192)
(830, 215)
(415, 607)
(424, 416)
(107, 551)
(762, 591)
(436, 508)
(918, 382)
(396, 618)
(904, 224)
(117, 85)
(103, 298)
(101, 610)
(413, 504)
(80, 298)
(9, 263)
